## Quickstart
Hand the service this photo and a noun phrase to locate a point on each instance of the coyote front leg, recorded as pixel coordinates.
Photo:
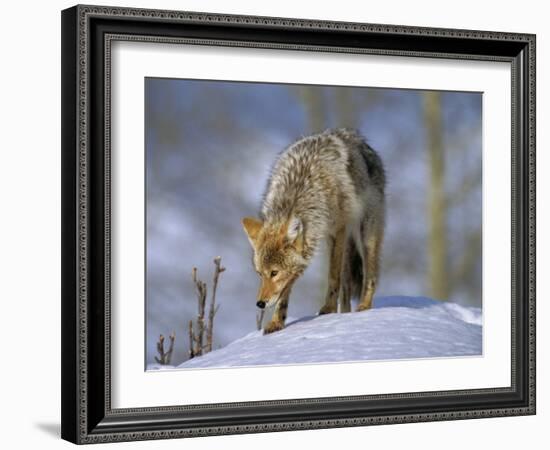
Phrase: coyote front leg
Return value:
(277, 321)
(336, 251)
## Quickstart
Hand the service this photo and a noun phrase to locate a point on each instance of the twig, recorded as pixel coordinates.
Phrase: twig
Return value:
(171, 348)
(201, 297)
(165, 357)
(160, 349)
(260, 318)
(191, 339)
(213, 307)
(199, 344)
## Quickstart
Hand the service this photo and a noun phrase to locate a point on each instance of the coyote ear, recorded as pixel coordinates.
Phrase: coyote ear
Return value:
(294, 230)
(252, 227)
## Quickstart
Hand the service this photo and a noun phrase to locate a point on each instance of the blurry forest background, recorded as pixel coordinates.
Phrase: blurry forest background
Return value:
(209, 149)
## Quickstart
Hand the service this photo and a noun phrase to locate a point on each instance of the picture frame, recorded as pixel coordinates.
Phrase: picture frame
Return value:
(87, 366)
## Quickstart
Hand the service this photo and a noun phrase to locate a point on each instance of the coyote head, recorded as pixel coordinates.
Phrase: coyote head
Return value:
(278, 256)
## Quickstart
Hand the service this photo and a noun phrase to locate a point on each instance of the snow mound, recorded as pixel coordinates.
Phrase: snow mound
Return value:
(395, 328)
(157, 366)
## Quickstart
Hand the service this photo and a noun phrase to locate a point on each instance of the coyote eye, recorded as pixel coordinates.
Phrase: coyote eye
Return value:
(274, 273)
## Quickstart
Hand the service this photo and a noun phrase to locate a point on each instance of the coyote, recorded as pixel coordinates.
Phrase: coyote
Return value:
(325, 186)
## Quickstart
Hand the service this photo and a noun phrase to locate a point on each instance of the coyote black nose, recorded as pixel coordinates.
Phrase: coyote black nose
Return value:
(260, 304)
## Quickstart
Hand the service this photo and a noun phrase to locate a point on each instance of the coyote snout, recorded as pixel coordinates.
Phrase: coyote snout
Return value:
(326, 186)
(270, 290)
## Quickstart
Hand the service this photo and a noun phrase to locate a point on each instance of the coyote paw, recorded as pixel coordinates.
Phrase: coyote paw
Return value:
(327, 309)
(272, 326)
(363, 307)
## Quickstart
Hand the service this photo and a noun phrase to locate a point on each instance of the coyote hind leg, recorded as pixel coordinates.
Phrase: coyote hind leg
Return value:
(372, 241)
(347, 290)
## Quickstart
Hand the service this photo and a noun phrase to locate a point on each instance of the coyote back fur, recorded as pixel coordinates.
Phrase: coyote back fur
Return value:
(326, 186)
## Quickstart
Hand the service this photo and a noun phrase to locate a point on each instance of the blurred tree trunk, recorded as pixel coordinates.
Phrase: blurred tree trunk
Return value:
(345, 108)
(437, 205)
(469, 260)
(313, 101)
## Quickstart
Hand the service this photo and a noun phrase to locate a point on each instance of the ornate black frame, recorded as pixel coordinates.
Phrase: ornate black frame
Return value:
(87, 416)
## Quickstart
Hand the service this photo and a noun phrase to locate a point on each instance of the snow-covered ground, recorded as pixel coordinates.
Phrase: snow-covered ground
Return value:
(396, 328)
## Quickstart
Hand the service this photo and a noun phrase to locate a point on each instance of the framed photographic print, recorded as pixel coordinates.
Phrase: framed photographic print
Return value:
(283, 224)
